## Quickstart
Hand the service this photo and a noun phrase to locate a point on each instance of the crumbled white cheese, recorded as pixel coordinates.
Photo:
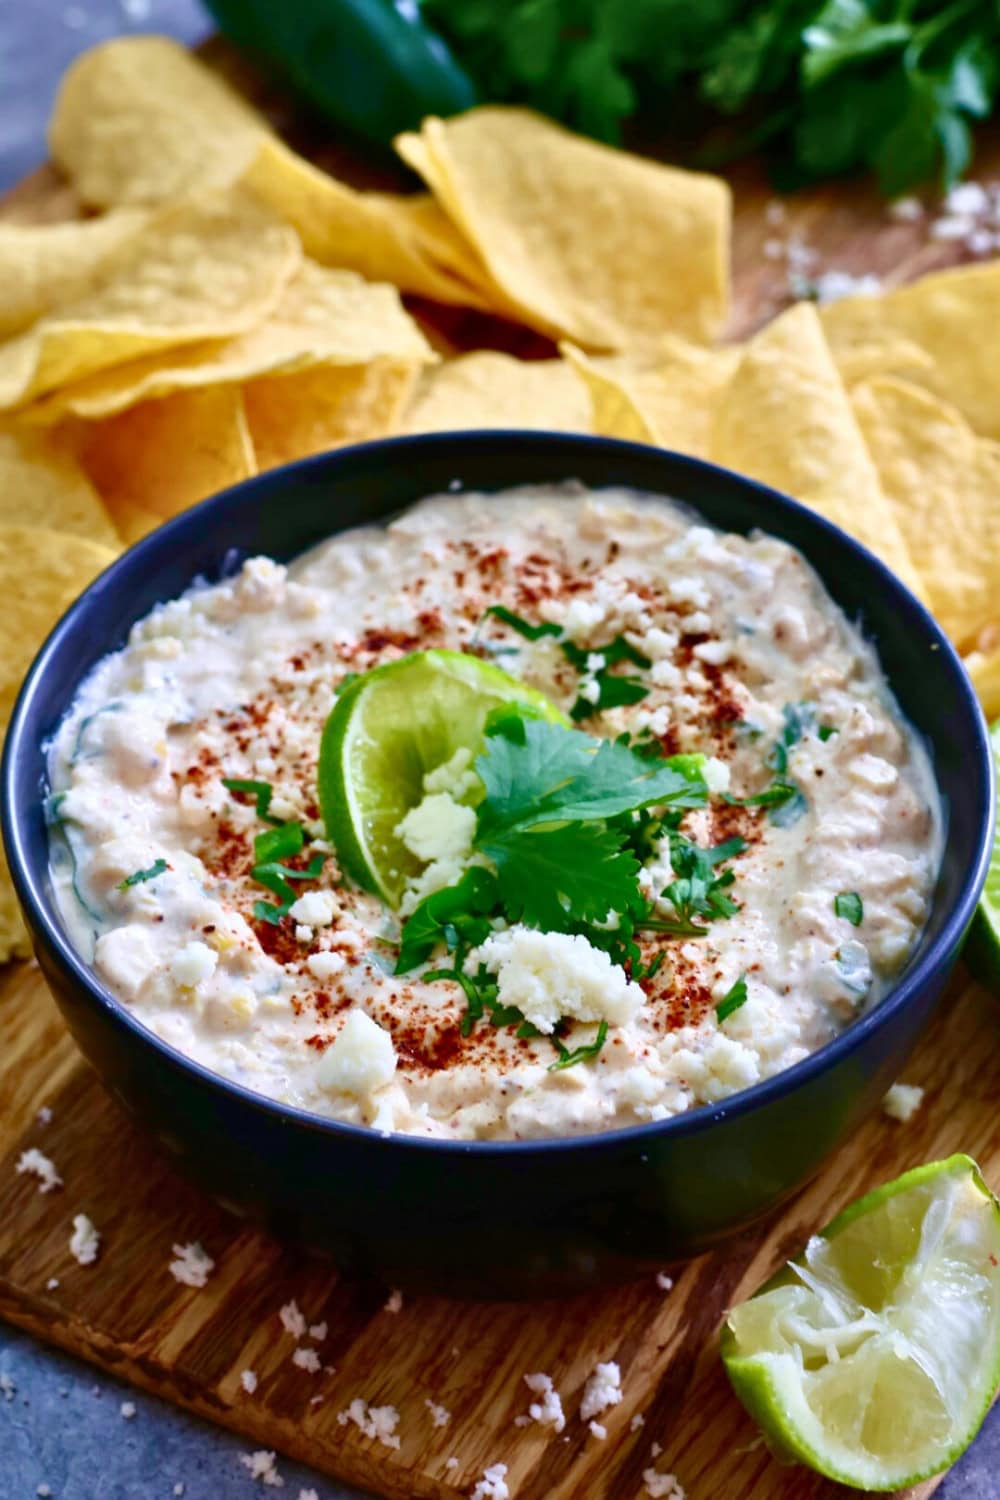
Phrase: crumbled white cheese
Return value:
(44, 1115)
(603, 1390)
(440, 1415)
(902, 1101)
(8, 1390)
(307, 1359)
(714, 652)
(308, 1495)
(451, 1463)
(664, 1282)
(43, 1492)
(248, 1380)
(376, 1422)
(40, 1166)
(455, 776)
(52, 1283)
(547, 1411)
(303, 934)
(662, 1486)
(637, 1421)
(906, 210)
(85, 1241)
(317, 1331)
(360, 1058)
(493, 1484)
(438, 828)
(192, 1265)
(394, 1302)
(716, 774)
(292, 1320)
(127, 1410)
(261, 1466)
(314, 908)
(598, 1431)
(549, 975)
(324, 966)
(193, 964)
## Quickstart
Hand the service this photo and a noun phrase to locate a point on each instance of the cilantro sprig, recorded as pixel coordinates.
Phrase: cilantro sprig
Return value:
(612, 689)
(138, 877)
(261, 791)
(283, 840)
(731, 1001)
(697, 891)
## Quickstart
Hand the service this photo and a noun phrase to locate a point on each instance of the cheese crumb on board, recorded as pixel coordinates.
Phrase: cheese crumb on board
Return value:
(662, 1486)
(317, 1331)
(902, 1101)
(52, 1283)
(308, 1495)
(192, 1264)
(85, 1241)
(598, 1431)
(248, 1380)
(292, 1320)
(440, 1415)
(377, 1422)
(637, 1421)
(127, 1410)
(603, 1390)
(261, 1465)
(393, 1303)
(664, 1282)
(8, 1389)
(493, 1485)
(306, 1359)
(547, 1411)
(39, 1165)
(44, 1115)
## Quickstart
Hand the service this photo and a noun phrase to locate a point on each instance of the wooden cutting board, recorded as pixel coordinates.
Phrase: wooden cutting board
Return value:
(128, 1314)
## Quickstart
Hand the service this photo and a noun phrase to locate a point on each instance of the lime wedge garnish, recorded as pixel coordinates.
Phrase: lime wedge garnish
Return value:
(983, 947)
(387, 730)
(874, 1356)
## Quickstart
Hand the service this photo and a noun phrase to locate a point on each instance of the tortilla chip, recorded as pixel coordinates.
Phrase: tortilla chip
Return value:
(484, 389)
(670, 403)
(323, 317)
(42, 265)
(787, 421)
(887, 356)
(944, 484)
(206, 269)
(294, 416)
(586, 243)
(984, 669)
(950, 317)
(139, 120)
(40, 478)
(41, 573)
(154, 460)
(407, 241)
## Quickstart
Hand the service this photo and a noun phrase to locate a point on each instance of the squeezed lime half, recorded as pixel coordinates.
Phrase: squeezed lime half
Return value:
(387, 730)
(982, 950)
(874, 1356)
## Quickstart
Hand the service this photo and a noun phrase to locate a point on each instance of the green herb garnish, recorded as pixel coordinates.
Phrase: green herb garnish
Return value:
(276, 878)
(826, 732)
(731, 1001)
(139, 876)
(524, 627)
(614, 690)
(848, 904)
(260, 790)
(568, 1059)
(697, 891)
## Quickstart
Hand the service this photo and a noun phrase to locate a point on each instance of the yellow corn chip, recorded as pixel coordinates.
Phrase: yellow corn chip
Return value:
(485, 389)
(154, 460)
(41, 573)
(886, 356)
(42, 265)
(293, 416)
(984, 669)
(324, 317)
(950, 317)
(139, 121)
(787, 420)
(670, 403)
(595, 245)
(200, 270)
(944, 485)
(41, 479)
(407, 241)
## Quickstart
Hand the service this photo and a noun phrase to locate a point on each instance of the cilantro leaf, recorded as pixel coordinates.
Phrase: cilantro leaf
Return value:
(456, 915)
(139, 876)
(276, 878)
(278, 843)
(848, 904)
(523, 627)
(261, 791)
(568, 1059)
(557, 878)
(731, 1001)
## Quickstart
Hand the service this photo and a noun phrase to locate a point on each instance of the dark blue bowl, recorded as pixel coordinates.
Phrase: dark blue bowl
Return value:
(499, 1218)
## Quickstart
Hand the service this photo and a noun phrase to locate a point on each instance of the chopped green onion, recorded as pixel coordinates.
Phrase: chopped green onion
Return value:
(848, 904)
(732, 1000)
(138, 876)
(568, 1059)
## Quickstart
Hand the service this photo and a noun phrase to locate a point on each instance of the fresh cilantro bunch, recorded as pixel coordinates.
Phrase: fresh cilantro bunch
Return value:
(828, 88)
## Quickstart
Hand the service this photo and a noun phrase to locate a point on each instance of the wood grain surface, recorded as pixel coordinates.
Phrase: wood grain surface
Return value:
(128, 1314)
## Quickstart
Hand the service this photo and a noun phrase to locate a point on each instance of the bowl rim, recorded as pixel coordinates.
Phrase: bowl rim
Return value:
(29, 880)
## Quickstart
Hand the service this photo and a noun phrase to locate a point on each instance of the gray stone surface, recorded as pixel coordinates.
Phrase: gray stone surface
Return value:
(63, 1426)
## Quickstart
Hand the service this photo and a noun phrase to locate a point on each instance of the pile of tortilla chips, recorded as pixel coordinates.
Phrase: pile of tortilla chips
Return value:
(226, 307)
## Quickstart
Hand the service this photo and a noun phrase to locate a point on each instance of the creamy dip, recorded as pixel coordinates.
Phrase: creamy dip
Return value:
(745, 652)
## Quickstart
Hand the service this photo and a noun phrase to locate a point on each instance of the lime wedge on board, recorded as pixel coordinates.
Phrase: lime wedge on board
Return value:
(387, 729)
(982, 951)
(873, 1357)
